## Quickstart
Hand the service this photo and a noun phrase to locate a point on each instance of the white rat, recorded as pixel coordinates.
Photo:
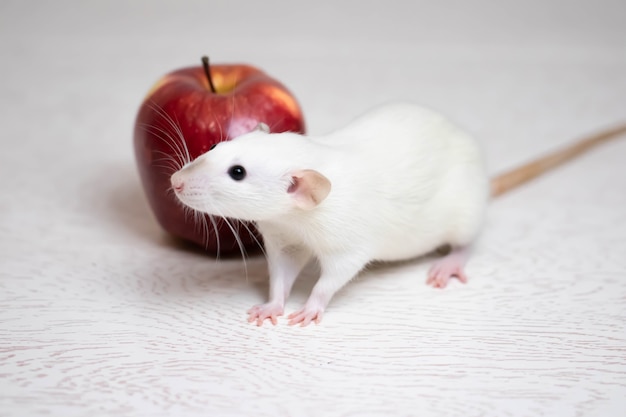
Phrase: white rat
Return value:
(397, 183)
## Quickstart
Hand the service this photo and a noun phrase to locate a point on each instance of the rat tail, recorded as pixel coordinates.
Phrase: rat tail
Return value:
(509, 180)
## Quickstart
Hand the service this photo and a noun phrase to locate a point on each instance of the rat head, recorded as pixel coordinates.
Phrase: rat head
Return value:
(257, 176)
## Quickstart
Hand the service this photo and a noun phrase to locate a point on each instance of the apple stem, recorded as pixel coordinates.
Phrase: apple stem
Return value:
(207, 72)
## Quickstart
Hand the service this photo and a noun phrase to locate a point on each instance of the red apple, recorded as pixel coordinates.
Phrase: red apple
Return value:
(184, 114)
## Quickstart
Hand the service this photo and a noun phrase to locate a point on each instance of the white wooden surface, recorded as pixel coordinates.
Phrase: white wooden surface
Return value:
(101, 315)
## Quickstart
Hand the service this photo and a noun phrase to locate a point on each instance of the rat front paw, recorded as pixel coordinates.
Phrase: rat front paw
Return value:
(262, 312)
(306, 316)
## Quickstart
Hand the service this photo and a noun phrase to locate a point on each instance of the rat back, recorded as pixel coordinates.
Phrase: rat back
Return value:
(404, 182)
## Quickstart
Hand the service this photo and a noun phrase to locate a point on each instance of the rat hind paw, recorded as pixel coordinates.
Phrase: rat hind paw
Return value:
(439, 276)
(262, 312)
(446, 268)
(306, 316)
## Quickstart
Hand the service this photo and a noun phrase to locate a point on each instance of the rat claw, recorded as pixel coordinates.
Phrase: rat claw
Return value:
(439, 278)
(305, 317)
(262, 312)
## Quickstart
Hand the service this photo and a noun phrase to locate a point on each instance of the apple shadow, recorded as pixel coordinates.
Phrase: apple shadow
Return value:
(126, 207)
(123, 206)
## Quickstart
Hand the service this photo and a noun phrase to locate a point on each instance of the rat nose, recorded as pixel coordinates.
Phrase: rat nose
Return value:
(177, 183)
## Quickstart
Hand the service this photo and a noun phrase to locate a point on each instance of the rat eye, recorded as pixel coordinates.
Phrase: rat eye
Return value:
(237, 172)
(213, 146)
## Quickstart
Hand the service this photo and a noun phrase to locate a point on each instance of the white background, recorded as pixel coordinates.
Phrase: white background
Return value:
(101, 314)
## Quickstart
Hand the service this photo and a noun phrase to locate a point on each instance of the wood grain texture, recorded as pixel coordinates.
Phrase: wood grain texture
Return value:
(102, 315)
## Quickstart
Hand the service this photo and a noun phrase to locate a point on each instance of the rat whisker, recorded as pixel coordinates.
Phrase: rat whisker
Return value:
(169, 157)
(216, 230)
(232, 111)
(167, 163)
(200, 222)
(275, 123)
(237, 239)
(182, 149)
(165, 136)
(165, 167)
(182, 139)
(254, 237)
(219, 125)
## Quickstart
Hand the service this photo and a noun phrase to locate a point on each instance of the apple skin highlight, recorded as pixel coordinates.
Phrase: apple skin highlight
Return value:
(181, 118)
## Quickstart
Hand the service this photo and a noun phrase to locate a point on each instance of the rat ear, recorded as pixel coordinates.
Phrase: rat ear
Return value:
(262, 127)
(308, 188)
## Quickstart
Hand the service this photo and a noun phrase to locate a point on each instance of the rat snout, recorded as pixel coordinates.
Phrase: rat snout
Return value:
(178, 183)
(188, 186)
(188, 182)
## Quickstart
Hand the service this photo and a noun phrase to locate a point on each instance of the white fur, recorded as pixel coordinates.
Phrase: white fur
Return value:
(404, 181)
